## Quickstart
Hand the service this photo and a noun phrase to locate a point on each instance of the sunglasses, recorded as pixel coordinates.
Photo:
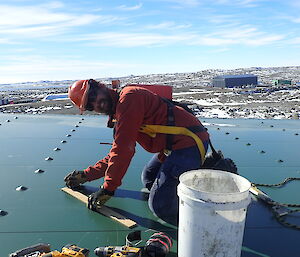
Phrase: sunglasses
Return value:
(92, 95)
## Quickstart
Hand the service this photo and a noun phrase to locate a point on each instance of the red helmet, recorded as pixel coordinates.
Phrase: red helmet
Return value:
(78, 93)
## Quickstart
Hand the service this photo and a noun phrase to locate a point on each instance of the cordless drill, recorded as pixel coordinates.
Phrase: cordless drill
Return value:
(118, 251)
(158, 245)
(68, 251)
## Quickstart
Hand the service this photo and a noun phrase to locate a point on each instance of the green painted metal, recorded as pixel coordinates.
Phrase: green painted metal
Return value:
(43, 213)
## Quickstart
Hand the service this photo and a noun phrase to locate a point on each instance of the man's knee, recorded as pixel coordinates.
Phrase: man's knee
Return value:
(165, 213)
(163, 201)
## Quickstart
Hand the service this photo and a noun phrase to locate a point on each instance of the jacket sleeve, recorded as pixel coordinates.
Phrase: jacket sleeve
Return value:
(129, 115)
(98, 170)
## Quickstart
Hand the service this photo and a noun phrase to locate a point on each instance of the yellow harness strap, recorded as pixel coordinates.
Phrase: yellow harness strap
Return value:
(152, 130)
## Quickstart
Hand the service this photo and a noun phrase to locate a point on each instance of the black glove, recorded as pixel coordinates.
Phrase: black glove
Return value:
(75, 179)
(216, 161)
(226, 164)
(99, 198)
(211, 159)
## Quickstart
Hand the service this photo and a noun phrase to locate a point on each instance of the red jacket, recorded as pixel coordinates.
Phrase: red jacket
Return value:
(135, 107)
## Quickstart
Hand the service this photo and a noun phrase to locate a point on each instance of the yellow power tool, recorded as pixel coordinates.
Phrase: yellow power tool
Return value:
(118, 251)
(68, 251)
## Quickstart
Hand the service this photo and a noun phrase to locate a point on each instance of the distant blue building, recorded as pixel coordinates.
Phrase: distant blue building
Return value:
(56, 97)
(234, 80)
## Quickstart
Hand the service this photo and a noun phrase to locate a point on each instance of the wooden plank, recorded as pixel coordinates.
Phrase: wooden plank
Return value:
(108, 212)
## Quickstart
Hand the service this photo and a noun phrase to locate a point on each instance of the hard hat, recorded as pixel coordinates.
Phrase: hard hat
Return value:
(78, 93)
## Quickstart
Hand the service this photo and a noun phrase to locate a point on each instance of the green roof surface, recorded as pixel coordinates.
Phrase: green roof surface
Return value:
(44, 214)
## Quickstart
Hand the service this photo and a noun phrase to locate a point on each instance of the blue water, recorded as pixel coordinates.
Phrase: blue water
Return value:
(45, 214)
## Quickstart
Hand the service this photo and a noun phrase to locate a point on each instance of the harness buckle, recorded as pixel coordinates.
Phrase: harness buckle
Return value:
(167, 152)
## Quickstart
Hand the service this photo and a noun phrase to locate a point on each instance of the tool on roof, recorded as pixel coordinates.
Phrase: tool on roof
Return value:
(43, 250)
(118, 251)
(158, 245)
(33, 250)
(69, 250)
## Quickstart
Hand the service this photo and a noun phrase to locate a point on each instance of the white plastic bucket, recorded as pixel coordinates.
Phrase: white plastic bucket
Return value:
(212, 212)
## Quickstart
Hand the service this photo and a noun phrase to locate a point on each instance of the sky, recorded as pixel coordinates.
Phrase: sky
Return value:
(82, 39)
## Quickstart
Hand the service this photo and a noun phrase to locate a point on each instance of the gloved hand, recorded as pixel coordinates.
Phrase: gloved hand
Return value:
(75, 179)
(216, 161)
(211, 159)
(99, 198)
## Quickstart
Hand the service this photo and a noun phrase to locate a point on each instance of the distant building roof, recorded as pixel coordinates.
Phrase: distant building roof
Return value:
(55, 97)
(235, 76)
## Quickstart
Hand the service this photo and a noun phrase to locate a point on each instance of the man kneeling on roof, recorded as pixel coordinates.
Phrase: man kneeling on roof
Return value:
(176, 136)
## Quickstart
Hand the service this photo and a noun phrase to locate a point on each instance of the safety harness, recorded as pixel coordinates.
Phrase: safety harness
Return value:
(170, 130)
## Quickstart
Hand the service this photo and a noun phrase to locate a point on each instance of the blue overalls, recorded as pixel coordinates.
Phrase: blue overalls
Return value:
(162, 179)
